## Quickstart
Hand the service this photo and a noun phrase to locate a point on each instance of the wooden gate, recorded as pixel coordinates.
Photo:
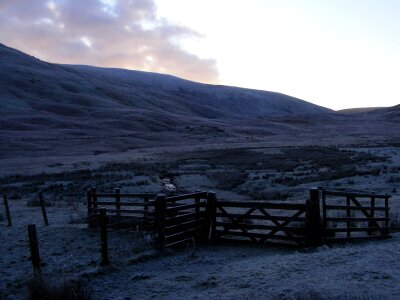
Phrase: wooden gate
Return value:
(180, 219)
(260, 222)
(350, 216)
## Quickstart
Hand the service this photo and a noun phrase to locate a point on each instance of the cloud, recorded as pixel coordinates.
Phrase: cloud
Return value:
(110, 33)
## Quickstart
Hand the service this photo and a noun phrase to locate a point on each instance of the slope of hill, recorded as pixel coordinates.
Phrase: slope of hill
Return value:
(30, 87)
(388, 112)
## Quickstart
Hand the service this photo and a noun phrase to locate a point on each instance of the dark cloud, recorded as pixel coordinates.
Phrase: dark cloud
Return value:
(124, 34)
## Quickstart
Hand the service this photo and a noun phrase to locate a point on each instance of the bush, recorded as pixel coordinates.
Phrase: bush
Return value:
(70, 289)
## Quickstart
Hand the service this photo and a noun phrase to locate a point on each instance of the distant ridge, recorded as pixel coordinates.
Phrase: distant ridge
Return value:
(358, 110)
(392, 111)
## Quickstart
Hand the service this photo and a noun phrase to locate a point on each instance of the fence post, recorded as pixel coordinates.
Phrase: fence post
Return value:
(89, 209)
(372, 224)
(313, 219)
(94, 197)
(146, 209)
(118, 200)
(348, 216)
(211, 219)
(199, 228)
(34, 248)
(387, 216)
(324, 213)
(159, 219)
(95, 212)
(7, 210)
(44, 212)
(103, 236)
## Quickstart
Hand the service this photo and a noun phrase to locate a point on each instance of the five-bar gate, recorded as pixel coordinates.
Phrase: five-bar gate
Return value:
(348, 216)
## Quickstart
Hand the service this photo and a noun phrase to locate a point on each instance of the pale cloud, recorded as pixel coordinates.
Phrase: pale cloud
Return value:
(110, 33)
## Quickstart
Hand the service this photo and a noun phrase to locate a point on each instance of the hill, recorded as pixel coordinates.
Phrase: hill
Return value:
(51, 110)
(40, 95)
(388, 112)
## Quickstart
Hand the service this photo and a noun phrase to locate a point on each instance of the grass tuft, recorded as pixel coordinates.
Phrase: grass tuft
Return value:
(67, 289)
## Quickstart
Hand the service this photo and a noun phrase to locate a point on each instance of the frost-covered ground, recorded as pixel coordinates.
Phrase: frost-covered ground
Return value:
(363, 271)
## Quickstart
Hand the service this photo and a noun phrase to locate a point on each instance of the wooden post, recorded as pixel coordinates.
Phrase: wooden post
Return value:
(44, 212)
(118, 200)
(95, 213)
(348, 215)
(89, 209)
(103, 236)
(199, 226)
(371, 225)
(313, 219)
(211, 218)
(159, 219)
(7, 210)
(387, 223)
(146, 209)
(324, 212)
(33, 244)
(94, 198)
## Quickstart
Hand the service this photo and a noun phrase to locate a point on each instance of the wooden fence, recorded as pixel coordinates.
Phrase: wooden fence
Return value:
(123, 210)
(172, 220)
(350, 216)
(201, 216)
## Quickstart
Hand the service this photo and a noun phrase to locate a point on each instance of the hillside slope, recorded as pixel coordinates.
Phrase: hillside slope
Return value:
(29, 86)
(388, 112)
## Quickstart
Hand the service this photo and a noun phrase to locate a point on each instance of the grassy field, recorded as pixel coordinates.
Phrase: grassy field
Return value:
(253, 173)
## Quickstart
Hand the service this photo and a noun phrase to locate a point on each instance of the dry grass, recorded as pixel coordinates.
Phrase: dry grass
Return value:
(67, 289)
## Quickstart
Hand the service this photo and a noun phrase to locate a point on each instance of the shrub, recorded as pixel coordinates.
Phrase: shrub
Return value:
(67, 289)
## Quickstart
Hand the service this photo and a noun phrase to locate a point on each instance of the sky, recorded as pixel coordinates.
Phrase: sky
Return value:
(334, 53)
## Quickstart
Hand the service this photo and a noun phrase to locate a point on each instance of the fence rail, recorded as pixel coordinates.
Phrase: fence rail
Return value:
(121, 214)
